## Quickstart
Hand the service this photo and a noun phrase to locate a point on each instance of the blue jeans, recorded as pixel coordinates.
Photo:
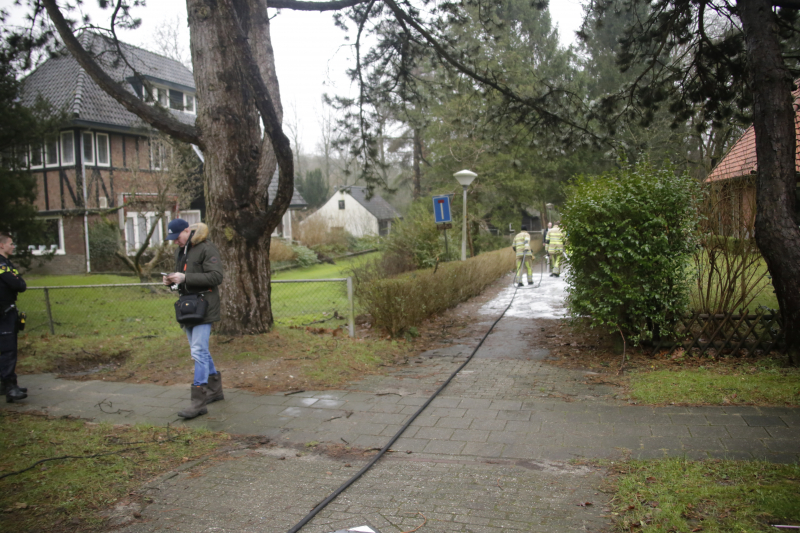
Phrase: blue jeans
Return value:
(198, 343)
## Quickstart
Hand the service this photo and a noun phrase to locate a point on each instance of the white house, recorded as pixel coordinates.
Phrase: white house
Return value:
(350, 210)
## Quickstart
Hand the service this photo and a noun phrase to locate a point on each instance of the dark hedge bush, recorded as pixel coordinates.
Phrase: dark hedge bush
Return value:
(629, 235)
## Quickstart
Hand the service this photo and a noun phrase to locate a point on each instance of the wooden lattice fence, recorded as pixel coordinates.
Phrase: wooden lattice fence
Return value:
(742, 334)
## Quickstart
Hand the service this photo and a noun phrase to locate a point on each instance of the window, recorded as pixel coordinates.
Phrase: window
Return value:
(137, 225)
(384, 227)
(67, 148)
(53, 239)
(175, 100)
(192, 216)
(161, 96)
(341, 204)
(36, 157)
(159, 155)
(188, 103)
(51, 153)
(88, 147)
(14, 159)
(103, 157)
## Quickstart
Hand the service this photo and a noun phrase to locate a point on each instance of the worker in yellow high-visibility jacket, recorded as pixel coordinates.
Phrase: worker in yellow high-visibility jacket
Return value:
(555, 248)
(522, 246)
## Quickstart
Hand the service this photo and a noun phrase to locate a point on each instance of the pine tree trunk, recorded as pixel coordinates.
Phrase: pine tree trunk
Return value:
(239, 160)
(777, 233)
(417, 179)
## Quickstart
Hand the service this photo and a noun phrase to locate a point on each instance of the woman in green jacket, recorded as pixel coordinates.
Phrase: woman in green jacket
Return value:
(198, 269)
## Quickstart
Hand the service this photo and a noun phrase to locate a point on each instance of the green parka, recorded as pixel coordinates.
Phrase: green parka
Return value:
(203, 270)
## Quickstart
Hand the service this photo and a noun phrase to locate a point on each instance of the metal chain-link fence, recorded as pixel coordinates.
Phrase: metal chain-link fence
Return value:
(143, 309)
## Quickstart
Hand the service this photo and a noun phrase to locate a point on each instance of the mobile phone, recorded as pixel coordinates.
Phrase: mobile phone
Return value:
(165, 273)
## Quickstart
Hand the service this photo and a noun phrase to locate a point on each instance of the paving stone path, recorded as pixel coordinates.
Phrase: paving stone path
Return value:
(491, 453)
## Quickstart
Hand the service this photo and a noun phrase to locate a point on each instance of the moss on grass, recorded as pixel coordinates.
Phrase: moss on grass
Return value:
(68, 494)
(677, 495)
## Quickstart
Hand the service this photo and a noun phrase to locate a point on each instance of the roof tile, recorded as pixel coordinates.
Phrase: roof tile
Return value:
(741, 159)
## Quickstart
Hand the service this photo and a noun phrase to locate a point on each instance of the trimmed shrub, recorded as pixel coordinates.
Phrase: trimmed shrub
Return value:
(305, 257)
(314, 233)
(415, 238)
(629, 236)
(103, 244)
(280, 251)
(399, 303)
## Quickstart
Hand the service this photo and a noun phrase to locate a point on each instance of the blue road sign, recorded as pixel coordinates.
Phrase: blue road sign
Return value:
(441, 209)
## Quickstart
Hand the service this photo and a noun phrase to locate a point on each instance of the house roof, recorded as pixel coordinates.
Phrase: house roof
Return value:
(741, 159)
(380, 208)
(297, 200)
(61, 81)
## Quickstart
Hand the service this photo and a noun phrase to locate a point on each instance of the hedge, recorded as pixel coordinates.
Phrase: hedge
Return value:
(401, 302)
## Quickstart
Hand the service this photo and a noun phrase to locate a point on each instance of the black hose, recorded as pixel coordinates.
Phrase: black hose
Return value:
(388, 445)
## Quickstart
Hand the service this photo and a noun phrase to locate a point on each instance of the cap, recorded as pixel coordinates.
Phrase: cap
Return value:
(175, 228)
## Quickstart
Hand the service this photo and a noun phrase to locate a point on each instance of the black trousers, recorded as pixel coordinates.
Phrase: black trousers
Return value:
(8, 345)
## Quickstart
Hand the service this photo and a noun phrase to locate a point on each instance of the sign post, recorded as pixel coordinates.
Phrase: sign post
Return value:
(441, 214)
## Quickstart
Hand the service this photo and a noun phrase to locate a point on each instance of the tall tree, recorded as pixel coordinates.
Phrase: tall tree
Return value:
(313, 188)
(22, 127)
(239, 109)
(707, 60)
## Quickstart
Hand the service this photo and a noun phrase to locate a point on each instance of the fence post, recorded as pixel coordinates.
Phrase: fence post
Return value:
(49, 312)
(351, 319)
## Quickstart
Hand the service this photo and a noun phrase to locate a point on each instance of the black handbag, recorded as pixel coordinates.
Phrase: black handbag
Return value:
(190, 309)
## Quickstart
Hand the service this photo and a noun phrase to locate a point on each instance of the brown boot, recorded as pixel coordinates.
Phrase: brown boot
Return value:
(215, 387)
(199, 401)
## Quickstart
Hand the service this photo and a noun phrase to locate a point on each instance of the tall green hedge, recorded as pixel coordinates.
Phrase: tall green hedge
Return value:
(629, 236)
(401, 302)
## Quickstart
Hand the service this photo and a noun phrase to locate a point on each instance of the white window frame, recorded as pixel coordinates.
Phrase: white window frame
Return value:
(186, 98)
(40, 250)
(138, 239)
(31, 151)
(56, 144)
(185, 212)
(106, 140)
(65, 161)
(157, 91)
(157, 145)
(90, 136)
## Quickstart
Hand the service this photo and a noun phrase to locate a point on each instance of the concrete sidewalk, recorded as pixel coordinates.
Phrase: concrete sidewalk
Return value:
(491, 452)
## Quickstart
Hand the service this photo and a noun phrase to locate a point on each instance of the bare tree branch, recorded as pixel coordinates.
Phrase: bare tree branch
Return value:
(464, 69)
(158, 118)
(314, 6)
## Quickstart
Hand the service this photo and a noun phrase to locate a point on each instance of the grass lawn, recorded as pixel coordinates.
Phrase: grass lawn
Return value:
(326, 270)
(148, 311)
(68, 494)
(284, 359)
(709, 387)
(677, 495)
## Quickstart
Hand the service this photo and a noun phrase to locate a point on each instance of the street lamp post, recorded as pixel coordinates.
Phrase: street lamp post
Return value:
(464, 177)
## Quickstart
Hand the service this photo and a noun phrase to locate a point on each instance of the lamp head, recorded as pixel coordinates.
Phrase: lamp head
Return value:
(465, 177)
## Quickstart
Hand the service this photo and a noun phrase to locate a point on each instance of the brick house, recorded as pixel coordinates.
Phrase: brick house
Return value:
(105, 156)
(735, 174)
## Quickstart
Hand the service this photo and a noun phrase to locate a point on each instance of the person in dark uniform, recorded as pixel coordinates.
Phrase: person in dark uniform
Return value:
(11, 284)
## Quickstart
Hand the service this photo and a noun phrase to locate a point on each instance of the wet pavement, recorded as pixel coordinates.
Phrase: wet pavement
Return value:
(496, 451)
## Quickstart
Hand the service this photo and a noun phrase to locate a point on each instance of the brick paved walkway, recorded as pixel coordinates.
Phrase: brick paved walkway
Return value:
(489, 454)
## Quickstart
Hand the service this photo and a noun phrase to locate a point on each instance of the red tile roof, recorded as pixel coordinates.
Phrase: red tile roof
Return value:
(741, 159)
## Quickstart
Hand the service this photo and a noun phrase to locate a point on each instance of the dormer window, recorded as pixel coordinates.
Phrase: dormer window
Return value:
(188, 102)
(166, 97)
(160, 95)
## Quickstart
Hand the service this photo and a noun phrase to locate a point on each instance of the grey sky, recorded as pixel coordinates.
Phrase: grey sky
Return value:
(311, 54)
